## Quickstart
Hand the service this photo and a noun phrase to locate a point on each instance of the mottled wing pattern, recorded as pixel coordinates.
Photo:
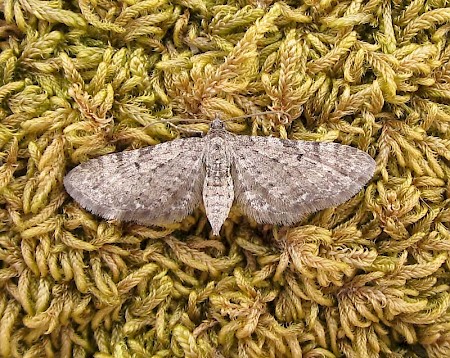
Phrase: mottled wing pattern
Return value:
(279, 181)
(152, 185)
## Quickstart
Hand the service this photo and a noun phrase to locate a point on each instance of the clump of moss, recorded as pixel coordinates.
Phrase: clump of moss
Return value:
(366, 279)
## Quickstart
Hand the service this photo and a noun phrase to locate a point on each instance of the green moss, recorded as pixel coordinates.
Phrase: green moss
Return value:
(366, 279)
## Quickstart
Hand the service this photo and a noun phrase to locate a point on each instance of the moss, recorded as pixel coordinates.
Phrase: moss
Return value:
(366, 279)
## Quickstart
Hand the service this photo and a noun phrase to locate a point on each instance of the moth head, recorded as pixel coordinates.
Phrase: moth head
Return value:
(217, 124)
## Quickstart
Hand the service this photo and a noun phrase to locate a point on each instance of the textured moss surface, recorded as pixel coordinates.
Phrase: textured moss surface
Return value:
(84, 78)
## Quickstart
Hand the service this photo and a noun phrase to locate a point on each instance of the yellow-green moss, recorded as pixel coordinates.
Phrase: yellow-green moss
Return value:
(84, 78)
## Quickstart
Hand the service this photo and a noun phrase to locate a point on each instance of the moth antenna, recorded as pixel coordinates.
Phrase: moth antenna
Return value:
(253, 115)
(187, 130)
(177, 127)
(170, 121)
(192, 120)
(199, 120)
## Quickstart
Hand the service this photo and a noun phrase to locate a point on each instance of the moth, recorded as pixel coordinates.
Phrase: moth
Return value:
(272, 180)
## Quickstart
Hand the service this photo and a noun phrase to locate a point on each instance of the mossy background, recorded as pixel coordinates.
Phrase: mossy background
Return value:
(79, 79)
